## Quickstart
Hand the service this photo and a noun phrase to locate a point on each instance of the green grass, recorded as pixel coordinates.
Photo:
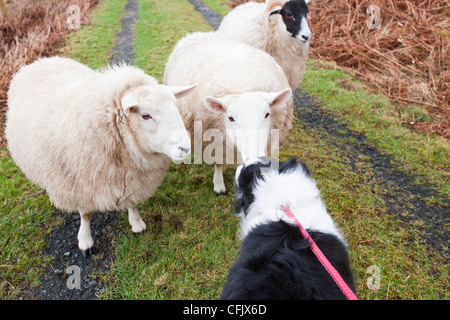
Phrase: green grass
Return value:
(24, 220)
(190, 247)
(92, 44)
(375, 235)
(192, 237)
(383, 123)
(158, 29)
(217, 6)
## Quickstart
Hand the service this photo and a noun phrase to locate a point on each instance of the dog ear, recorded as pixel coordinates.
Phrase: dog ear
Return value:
(240, 203)
(293, 164)
(246, 182)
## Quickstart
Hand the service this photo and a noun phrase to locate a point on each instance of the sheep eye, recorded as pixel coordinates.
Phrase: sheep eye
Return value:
(231, 119)
(289, 16)
(146, 116)
(267, 115)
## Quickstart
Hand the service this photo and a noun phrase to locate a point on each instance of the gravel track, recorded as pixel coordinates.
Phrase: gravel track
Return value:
(403, 196)
(61, 243)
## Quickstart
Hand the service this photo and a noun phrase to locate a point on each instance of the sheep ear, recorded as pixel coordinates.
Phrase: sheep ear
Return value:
(215, 104)
(128, 102)
(273, 11)
(272, 15)
(181, 91)
(278, 99)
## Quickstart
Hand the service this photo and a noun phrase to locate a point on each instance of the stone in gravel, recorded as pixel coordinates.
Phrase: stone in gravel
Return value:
(58, 271)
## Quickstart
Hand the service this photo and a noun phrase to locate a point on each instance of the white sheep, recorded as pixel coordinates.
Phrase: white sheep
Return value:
(243, 102)
(278, 27)
(94, 140)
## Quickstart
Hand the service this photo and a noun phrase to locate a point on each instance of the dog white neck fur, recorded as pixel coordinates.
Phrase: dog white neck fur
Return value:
(294, 189)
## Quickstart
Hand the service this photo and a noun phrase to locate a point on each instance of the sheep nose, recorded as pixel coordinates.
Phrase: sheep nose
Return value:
(179, 144)
(184, 150)
(305, 37)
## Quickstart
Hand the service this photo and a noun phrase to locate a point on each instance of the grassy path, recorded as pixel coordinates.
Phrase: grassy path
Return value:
(386, 187)
(123, 49)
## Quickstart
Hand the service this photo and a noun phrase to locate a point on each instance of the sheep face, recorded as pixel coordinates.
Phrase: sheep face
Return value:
(293, 14)
(247, 118)
(154, 118)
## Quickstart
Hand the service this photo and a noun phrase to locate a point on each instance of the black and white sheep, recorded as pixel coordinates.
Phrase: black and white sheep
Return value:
(278, 27)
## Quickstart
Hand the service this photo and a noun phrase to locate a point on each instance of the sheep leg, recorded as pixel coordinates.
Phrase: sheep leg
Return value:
(85, 241)
(137, 224)
(219, 185)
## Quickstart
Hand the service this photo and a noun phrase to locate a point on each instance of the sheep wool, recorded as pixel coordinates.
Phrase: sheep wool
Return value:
(224, 68)
(68, 130)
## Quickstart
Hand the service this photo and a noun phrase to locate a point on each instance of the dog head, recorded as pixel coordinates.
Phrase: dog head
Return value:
(253, 171)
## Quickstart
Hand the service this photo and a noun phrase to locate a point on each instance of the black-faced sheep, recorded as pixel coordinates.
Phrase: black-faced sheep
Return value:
(278, 27)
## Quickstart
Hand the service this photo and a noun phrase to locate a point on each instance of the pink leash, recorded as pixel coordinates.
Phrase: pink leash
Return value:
(323, 260)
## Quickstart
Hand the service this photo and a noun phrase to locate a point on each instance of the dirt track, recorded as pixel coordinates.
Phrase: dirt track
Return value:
(404, 194)
(61, 243)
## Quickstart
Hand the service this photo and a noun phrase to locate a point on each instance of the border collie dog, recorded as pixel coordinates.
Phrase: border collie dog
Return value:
(275, 261)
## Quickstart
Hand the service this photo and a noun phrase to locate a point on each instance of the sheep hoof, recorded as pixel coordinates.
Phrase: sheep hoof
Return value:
(138, 226)
(86, 253)
(85, 244)
(220, 193)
